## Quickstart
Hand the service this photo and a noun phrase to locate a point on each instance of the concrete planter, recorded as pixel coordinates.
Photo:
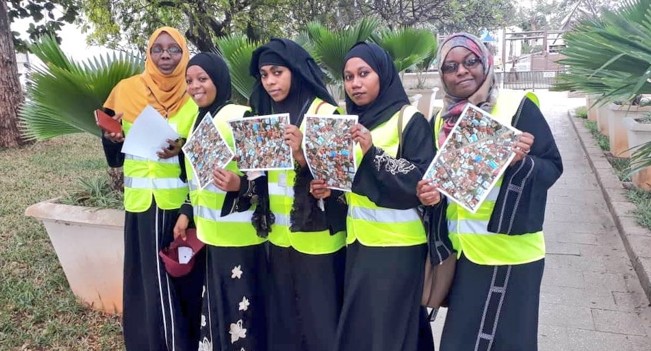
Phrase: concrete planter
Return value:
(426, 102)
(638, 134)
(602, 119)
(617, 134)
(593, 111)
(90, 246)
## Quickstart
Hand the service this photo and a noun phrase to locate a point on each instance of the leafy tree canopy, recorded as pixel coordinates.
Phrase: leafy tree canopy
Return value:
(47, 17)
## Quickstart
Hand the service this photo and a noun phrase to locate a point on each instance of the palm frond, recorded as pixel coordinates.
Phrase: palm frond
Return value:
(407, 46)
(63, 94)
(237, 50)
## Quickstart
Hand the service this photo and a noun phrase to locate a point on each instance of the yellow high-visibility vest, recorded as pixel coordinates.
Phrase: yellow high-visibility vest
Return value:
(235, 229)
(281, 199)
(469, 231)
(373, 225)
(144, 178)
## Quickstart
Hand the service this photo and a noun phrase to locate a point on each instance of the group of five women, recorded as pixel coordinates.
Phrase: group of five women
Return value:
(292, 265)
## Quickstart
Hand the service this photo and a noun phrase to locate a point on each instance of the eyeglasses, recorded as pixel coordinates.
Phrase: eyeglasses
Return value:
(172, 50)
(470, 62)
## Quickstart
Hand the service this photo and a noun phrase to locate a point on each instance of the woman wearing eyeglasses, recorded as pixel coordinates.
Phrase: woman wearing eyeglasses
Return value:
(159, 312)
(493, 301)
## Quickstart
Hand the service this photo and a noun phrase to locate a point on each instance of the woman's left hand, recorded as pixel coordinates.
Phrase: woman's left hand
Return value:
(362, 136)
(294, 138)
(226, 180)
(319, 189)
(522, 147)
(172, 150)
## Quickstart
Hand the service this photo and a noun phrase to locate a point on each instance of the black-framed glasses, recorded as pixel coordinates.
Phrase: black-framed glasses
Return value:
(172, 50)
(468, 63)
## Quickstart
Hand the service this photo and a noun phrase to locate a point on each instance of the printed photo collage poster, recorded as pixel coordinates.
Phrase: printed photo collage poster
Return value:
(328, 147)
(259, 143)
(473, 158)
(206, 150)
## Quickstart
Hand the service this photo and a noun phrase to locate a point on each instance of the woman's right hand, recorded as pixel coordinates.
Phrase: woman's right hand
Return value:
(181, 226)
(114, 137)
(319, 189)
(427, 193)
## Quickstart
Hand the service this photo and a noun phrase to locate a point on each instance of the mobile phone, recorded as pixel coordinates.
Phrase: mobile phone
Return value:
(107, 123)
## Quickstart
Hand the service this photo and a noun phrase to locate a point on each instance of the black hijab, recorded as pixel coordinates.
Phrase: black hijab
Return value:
(392, 95)
(217, 70)
(307, 79)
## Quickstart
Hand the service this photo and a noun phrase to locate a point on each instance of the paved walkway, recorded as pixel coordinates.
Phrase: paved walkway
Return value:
(591, 297)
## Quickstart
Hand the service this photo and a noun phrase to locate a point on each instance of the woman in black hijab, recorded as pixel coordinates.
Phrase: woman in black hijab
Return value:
(234, 305)
(386, 249)
(306, 256)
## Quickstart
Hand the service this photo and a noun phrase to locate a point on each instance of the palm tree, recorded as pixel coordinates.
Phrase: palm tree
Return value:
(62, 94)
(407, 46)
(610, 57)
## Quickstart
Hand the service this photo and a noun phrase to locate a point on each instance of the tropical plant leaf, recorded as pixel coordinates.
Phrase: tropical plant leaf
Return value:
(237, 51)
(62, 94)
(407, 46)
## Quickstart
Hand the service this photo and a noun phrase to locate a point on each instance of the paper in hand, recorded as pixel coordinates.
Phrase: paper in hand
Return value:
(206, 150)
(260, 143)
(148, 135)
(473, 158)
(329, 150)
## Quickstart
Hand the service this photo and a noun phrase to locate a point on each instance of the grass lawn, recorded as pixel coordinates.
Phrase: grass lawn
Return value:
(37, 309)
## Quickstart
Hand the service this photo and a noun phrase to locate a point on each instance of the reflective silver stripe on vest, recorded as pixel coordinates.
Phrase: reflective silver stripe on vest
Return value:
(468, 226)
(153, 183)
(215, 215)
(281, 219)
(212, 188)
(174, 159)
(383, 215)
(277, 189)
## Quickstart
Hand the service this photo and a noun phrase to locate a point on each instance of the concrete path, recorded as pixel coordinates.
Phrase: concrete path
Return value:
(591, 297)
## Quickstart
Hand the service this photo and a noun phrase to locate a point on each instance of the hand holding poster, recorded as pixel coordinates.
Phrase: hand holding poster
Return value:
(148, 135)
(206, 150)
(328, 147)
(259, 143)
(473, 158)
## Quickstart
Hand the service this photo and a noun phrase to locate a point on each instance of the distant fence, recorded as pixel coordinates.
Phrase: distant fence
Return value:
(530, 80)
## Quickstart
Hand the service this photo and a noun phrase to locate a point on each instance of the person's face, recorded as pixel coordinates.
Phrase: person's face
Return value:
(462, 72)
(200, 86)
(361, 82)
(166, 53)
(277, 81)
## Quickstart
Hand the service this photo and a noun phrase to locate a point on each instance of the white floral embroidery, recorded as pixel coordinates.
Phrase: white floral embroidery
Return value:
(392, 165)
(237, 331)
(244, 304)
(237, 272)
(203, 320)
(205, 345)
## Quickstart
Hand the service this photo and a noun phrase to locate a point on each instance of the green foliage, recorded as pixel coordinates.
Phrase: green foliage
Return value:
(236, 51)
(329, 48)
(407, 46)
(608, 56)
(604, 143)
(63, 94)
(46, 17)
(642, 201)
(94, 192)
(581, 112)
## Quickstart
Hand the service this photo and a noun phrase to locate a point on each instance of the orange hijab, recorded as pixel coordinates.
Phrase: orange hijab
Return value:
(166, 93)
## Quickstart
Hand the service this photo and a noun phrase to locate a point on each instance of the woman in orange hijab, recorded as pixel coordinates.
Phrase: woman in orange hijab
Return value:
(160, 311)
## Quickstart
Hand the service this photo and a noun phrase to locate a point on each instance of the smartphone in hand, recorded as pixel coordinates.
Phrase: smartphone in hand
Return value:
(107, 123)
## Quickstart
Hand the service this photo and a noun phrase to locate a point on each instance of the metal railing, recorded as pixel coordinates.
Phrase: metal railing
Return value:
(530, 80)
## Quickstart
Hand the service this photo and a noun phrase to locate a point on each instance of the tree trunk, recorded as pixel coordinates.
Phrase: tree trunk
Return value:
(11, 93)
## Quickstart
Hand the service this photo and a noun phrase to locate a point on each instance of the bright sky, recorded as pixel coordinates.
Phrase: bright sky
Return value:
(73, 41)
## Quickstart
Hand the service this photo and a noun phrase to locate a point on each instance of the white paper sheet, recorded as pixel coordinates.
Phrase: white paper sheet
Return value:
(148, 135)
(185, 254)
